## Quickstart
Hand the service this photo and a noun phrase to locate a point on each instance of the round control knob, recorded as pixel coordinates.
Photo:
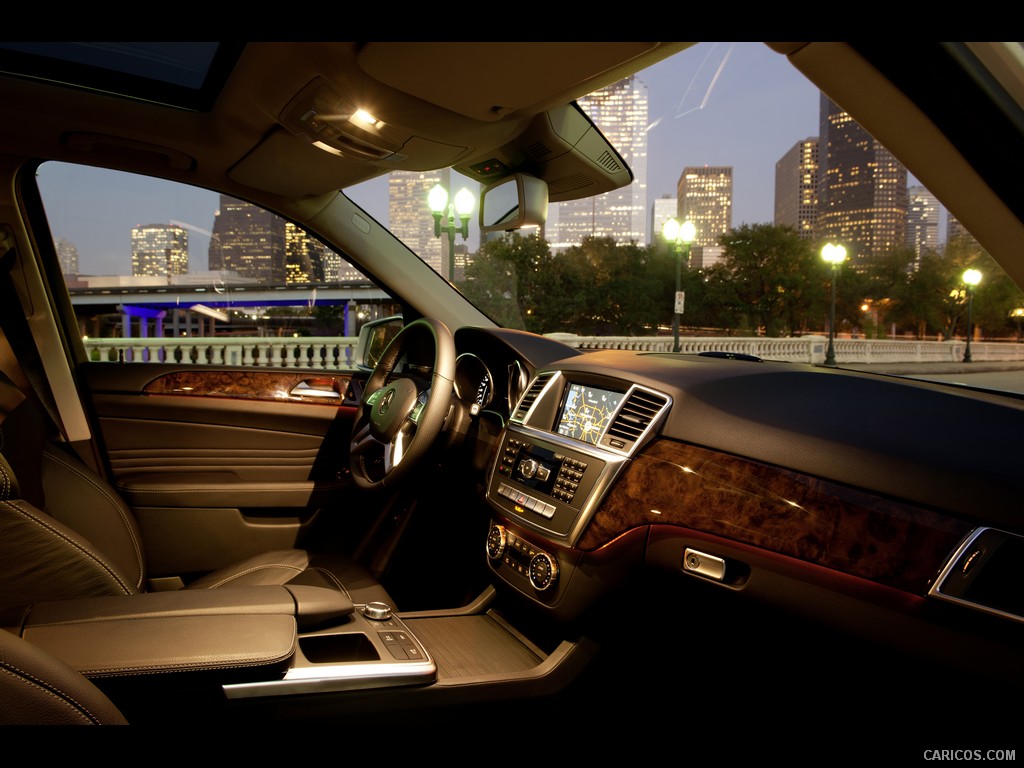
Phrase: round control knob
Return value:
(496, 541)
(377, 611)
(543, 571)
(528, 468)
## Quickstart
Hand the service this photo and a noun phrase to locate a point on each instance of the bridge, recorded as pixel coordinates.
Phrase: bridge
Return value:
(155, 311)
(337, 352)
(227, 296)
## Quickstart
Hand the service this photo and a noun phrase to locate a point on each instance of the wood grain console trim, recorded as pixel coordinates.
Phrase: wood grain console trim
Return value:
(781, 511)
(248, 385)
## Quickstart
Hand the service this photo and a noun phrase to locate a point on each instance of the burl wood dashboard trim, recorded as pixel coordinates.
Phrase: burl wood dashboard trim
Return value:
(781, 511)
(249, 385)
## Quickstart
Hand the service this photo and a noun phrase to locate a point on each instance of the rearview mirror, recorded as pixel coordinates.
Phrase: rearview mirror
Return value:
(517, 201)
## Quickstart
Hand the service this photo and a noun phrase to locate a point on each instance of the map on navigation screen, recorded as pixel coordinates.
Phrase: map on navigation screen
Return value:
(587, 412)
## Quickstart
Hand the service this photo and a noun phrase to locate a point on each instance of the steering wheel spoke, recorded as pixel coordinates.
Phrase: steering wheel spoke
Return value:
(362, 440)
(399, 419)
(395, 451)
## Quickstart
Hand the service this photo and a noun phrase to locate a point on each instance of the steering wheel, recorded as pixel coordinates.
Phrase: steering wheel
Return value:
(398, 417)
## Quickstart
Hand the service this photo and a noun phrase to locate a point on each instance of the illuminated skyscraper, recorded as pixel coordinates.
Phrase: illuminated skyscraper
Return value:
(307, 260)
(796, 187)
(863, 199)
(663, 209)
(620, 111)
(67, 253)
(705, 198)
(957, 231)
(409, 216)
(159, 250)
(248, 240)
(922, 221)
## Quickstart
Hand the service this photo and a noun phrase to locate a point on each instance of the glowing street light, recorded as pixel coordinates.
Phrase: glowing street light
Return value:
(1017, 314)
(834, 255)
(462, 207)
(971, 278)
(681, 235)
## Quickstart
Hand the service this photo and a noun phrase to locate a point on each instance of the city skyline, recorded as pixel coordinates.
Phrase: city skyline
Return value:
(730, 104)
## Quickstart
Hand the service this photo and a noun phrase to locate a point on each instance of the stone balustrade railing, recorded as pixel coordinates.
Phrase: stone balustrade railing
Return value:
(323, 352)
(809, 349)
(338, 353)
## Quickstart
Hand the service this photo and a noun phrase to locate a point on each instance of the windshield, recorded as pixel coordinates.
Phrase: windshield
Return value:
(732, 138)
(768, 176)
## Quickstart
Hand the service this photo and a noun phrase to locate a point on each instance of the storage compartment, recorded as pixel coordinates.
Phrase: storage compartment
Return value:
(338, 649)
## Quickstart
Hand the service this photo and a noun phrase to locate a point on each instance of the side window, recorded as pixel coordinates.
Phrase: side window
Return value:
(164, 272)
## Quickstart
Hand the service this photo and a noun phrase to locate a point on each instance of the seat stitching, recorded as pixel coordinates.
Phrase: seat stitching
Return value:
(332, 578)
(253, 570)
(56, 693)
(7, 481)
(304, 485)
(122, 510)
(16, 506)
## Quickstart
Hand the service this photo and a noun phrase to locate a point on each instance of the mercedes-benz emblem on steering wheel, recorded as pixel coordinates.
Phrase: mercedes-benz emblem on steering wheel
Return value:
(385, 402)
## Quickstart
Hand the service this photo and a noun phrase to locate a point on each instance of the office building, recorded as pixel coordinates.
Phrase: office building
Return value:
(67, 255)
(412, 221)
(863, 189)
(922, 221)
(796, 187)
(621, 112)
(159, 250)
(705, 198)
(409, 216)
(662, 209)
(307, 260)
(248, 240)
(955, 231)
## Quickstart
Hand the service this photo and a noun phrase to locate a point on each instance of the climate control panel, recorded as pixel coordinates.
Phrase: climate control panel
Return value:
(510, 551)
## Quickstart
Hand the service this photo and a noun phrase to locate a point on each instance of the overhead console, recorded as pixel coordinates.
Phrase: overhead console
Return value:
(567, 440)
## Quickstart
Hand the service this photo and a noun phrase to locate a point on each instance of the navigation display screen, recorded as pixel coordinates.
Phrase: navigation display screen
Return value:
(587, 412)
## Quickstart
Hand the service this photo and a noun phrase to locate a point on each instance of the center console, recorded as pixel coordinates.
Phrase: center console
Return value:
(567, 441)
(248, 641)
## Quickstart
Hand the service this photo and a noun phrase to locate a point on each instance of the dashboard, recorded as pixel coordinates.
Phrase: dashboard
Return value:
(736, 473)
(493, 367)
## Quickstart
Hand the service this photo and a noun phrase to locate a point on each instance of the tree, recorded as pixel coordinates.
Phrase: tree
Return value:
(776, 277)
(506, 278)
(626, 288)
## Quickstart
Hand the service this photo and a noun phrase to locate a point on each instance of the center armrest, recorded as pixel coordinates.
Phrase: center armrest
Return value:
(189, 630)
(311, 606)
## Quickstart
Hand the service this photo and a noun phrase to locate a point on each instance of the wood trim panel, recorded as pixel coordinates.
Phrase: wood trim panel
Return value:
(781, 511)
(251, 385)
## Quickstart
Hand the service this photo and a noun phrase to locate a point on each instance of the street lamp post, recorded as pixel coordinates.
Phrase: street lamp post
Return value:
(446, 212)
(1017, 314)
(834, 255)
(681, 236)
(971, 278)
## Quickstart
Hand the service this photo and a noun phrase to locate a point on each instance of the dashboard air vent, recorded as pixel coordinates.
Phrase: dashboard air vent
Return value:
(531, 396)
(636, 415)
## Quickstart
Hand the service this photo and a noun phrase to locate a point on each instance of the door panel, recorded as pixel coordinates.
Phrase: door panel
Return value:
(219, 464)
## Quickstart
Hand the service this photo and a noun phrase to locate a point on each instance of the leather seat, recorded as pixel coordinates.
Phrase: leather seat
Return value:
(66, 533)
(37, 689)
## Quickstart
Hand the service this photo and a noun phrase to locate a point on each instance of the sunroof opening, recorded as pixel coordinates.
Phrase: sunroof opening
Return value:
(187, 75)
